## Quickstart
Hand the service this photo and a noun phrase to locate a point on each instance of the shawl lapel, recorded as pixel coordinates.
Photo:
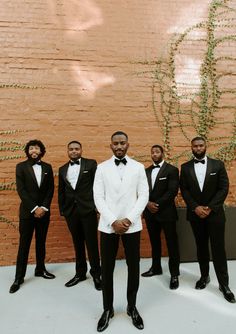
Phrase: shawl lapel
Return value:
(208, 172)
(161, 172)
(82, 168)
(193, 175)
(31, 172)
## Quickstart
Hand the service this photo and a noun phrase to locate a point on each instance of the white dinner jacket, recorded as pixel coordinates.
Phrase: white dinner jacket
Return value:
(116, 198)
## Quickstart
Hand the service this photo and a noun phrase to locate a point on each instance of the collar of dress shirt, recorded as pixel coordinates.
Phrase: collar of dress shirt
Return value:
(74, 161)
(160, 164)
(126, 157)
(205, 159)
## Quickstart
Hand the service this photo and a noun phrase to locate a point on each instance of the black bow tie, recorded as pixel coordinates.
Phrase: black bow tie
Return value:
(156, 166)
(72, 163)
(197, 161)
(37, 163)
(118, 161)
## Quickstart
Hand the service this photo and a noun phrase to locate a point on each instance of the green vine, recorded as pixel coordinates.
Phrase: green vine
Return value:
(7, 221)
(11, 146)
(198, 111)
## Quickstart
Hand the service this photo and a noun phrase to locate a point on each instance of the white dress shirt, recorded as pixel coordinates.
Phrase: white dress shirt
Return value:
(200, 171)
(155, 172)
(73, 174)
(38, 173)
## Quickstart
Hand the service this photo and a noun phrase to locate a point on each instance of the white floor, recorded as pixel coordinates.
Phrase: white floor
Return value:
(46, 306)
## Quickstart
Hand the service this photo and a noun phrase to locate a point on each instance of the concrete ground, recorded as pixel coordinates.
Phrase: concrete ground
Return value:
(47, 306)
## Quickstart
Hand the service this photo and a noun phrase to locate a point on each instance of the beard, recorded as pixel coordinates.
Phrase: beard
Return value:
(199, 156)
(35, 159)
(157, 161)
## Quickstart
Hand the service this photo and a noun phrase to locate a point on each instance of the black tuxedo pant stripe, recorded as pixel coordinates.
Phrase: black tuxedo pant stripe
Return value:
(109, 244)
(27, 227)
(206, 231)
(155, 228)
(83, 230)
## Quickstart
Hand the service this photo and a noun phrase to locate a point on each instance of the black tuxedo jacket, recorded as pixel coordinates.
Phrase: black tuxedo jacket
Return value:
(30, 193)
(215, 189)
(164, 192)
(82, 195)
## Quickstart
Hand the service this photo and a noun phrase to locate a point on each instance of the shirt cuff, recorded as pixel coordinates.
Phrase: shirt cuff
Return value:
(36, 207)
(45, 209)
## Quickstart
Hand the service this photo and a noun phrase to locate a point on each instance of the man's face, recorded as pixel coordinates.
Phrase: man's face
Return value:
(34, 152)
(119, 146)
(74, 151)
(157, 155)
(199, 148)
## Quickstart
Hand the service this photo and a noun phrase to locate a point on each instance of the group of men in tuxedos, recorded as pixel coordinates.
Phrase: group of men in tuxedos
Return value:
(120, 191)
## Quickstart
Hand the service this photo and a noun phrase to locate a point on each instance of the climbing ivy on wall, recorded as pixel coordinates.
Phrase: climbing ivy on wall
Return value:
(9, 149)
(177, 105)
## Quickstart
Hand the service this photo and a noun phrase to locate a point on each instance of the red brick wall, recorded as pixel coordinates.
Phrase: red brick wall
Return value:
(79, 73)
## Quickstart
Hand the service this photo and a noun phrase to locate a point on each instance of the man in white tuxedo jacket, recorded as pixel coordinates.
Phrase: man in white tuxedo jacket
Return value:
(120, 194)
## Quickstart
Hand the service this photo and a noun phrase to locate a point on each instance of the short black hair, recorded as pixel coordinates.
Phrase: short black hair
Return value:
(158, 146)
(119, 133)
(198, 138)
(35, 142)
(74, 142)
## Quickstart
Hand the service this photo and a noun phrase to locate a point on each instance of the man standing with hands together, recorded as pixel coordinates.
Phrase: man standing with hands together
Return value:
(35, 187)
(120, 194)
(204, 186)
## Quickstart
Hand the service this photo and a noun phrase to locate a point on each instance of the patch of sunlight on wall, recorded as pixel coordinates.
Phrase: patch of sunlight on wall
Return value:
(89, 81)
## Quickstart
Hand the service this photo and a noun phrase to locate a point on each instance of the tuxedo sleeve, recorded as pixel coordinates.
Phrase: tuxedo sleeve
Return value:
(142, 196)
(172, 189)
(222, 189)
(50, 189)
(99, 197)
(24, 195)
(184, 187)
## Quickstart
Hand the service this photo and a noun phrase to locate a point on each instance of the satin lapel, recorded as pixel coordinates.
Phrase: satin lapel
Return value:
(31, 172)
(115, 174)
(64, 173)
(208, 172)
(193, 174)
(149, 178)
(161, 172)
(121, 184)
(44, 170)
(82, 168)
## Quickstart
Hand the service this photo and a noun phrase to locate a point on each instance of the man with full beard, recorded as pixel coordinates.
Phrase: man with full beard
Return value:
(204, 185)
(35, 187)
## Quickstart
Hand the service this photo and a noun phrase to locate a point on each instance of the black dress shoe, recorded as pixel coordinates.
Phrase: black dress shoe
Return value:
(44, 273)
(135, 316)
(151, 272)
(202, 283)
(104, 320)
(228, 294)
(97, 283)
(16, 285)
(174, 282)
(75, 280)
